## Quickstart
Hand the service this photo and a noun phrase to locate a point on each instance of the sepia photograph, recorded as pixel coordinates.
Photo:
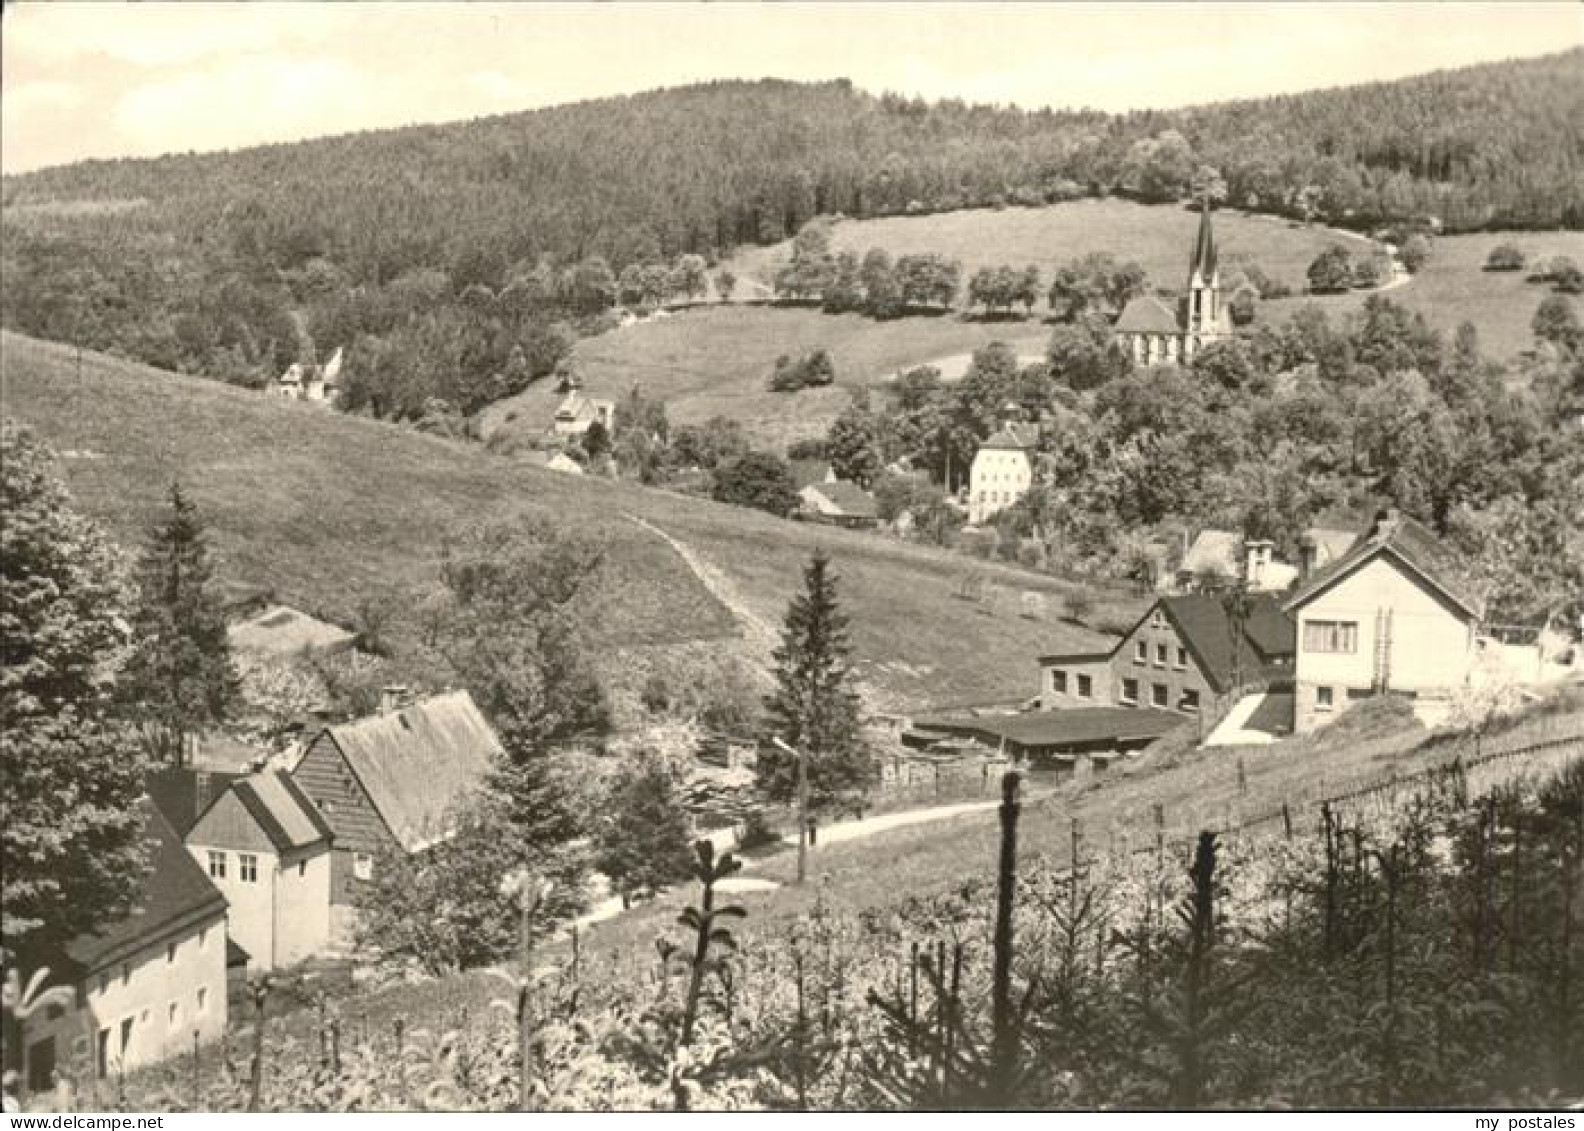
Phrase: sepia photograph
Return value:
(681, 557)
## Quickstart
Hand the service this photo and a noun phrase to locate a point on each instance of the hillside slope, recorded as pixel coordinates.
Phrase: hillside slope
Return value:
(330, 509)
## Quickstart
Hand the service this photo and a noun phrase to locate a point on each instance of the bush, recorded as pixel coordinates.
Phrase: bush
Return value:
(1415, 253)
(759, 480)
(1332, 271)
(1505, 257)
(809, 371)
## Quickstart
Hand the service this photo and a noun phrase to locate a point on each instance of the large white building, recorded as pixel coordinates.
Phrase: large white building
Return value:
(1002, 472)
(267, 849)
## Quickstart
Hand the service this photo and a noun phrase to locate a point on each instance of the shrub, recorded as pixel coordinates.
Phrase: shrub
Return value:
(1505, 257)
(759, 480)
(1415, 253)
(807, 372)
(1332, 271)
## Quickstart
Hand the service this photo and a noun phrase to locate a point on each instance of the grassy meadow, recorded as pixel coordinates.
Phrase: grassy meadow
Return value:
(329, 510)
(716, 361)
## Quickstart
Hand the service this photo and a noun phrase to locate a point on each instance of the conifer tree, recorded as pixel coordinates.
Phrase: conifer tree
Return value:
(813, 707)
(70, 830)
(179, 679)
(645, 838)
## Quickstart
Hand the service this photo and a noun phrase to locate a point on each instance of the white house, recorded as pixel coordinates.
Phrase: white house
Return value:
(577, 413)
(146, 984)
(1387, 616)
(264, 844)
(1003, 470)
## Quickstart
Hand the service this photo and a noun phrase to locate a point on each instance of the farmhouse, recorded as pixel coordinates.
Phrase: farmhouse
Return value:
(1003, 469)
(577, 413)
(1184, 654)
(838, 503)
(145, 985)
(390, 781)
(311, 382)
(1389, 615)
(267, 849)
(1155, 334)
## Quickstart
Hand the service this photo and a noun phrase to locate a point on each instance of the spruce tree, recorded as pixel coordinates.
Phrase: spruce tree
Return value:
(813, 708)
(70, 830)
(645, 838)
(180, 680)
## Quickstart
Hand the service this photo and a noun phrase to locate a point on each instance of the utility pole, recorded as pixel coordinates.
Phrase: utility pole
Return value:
(802, 807)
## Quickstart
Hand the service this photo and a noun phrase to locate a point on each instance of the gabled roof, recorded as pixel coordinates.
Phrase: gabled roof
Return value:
(1075, 726)
(174, 892)
(1329, 544)
(1214, 551)
(1147, 314)
(280, 809)
(1013, 437)
(282, 631)
(1206, 631)
(848, 499)
(417, 763)
(1412, 545)
(182, 793)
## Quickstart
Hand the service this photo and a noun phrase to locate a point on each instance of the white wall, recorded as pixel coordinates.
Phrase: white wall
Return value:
(998, 478)
(165, 991)
(284, 915)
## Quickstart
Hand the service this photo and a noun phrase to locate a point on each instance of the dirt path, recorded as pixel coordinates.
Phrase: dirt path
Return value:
(760, 635)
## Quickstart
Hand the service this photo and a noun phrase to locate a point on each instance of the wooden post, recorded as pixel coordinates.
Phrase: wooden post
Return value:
(1003, 1023)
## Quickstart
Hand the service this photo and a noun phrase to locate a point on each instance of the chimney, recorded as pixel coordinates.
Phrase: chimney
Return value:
(1257, 555)
(1307, 554)
(393, 697)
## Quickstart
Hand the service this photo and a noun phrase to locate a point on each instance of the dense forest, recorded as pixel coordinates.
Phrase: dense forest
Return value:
(235, 264)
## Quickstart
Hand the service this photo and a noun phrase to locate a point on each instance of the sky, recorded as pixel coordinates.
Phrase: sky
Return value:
(112, 79)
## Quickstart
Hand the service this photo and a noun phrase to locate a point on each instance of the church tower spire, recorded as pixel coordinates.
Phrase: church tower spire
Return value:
(1205, 314)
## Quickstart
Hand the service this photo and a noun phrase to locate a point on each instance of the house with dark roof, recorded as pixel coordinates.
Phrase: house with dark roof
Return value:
(1392, 614)
(1002, 471)
(266, 847)
(393, 781)
(1154, 333)
(145, 984)
(1185, 654)
(838, 503)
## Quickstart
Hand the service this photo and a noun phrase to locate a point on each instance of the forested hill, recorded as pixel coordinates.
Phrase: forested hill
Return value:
(235, 264)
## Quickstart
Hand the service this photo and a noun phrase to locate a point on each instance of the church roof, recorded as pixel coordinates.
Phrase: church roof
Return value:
(1149, 315)
(1204, 252)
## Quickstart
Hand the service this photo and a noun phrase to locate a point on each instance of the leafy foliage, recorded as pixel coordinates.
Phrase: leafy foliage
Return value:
(70, 831)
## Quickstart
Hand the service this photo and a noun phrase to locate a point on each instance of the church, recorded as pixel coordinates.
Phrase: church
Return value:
(1154, 334)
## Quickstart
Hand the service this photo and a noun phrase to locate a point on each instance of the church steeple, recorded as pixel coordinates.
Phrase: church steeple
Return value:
(1205, 315)
(1203, 264)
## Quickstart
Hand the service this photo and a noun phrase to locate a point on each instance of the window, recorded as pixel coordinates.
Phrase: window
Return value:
(203, 1001)
(173, 1014)
(1160, 655)
(302, 867)
(1059, 682)
(1157, 619)
(170, 954)
(1160, 694)
(217, 865)
(363, 865)
(1182, 657)
(102, 1053)
(1323, 699)
(1085, 687)
(203, 939)
(1140, 652)
(247, 867)
(1330, 636)
(126, 973)
(1130, 691)
(1189, 700)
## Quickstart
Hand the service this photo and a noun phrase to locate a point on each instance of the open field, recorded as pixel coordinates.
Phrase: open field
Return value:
(1159, 236)
(1452, 289)
(330, 509)
(716, 361)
